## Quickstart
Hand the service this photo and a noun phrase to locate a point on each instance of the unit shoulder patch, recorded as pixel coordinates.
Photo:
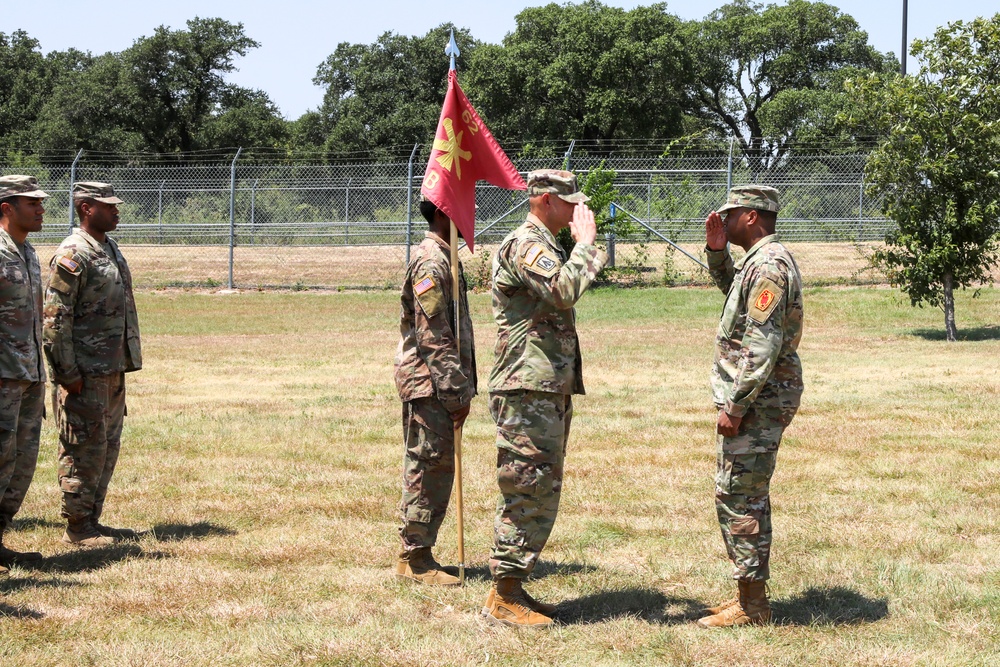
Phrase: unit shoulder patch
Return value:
(764, 298)
(541, 260)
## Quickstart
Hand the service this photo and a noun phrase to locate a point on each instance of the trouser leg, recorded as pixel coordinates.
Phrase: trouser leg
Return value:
(27, 433)
(82, 422)
(115, 420)
(428, 471)
(745, 464)
(532, 431)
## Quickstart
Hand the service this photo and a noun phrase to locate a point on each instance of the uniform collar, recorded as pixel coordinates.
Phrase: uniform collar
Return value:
(92, 242)
(8, 241)
(770, 238)
(533, 219)
(437, 239)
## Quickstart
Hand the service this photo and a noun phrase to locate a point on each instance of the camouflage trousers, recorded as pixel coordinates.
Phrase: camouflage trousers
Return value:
(745, 464)
(532, 431)
(22, 408)
(90, 431)
(428, 471)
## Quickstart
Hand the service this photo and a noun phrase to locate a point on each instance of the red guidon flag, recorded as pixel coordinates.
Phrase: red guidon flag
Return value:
(464, 152)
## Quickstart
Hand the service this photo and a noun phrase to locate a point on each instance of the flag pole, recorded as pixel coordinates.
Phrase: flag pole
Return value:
(452, 51)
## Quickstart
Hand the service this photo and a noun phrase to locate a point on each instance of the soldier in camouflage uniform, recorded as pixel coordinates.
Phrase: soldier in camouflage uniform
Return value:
(436, 383)
(756, 385)
(91, 339)
(22, 371)
(537, 369)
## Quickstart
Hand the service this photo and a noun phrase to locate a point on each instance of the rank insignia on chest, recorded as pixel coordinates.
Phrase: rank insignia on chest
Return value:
(69, 264)
(423, 286)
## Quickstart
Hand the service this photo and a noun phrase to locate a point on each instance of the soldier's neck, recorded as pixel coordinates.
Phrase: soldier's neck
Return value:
(98, 235)
(16, 233)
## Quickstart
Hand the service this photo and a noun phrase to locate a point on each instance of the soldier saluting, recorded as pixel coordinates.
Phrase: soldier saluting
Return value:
(756, 386)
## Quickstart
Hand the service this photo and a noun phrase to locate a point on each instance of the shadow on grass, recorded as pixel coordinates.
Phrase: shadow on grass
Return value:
(174, 532)
(27, 523)
(645, 603)
(20, 612)
(971, 335)
(829, 606)
(89, 559)
(542, 570)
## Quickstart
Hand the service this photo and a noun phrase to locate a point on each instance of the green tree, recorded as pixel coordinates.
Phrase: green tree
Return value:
(585, 71)
(384, 94)
(165, 93)
(772, 76)
(936, 169)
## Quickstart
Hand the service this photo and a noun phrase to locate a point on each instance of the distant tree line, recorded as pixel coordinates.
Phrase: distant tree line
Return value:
(574, 71)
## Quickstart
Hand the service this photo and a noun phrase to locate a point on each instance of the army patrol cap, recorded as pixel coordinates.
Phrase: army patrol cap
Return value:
(760, 197)
(20, 186)
(553, 181)
(102, 192)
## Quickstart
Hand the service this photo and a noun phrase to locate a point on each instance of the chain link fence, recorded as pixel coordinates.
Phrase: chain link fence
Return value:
(265, 219)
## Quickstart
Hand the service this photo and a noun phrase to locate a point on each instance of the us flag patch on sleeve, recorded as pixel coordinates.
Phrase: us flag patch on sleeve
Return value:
(69, 264)
(423, 286)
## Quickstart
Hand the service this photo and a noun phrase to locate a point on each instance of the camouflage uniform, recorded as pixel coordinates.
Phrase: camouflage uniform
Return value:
(537, 369)
(91, 332)
(756, 376)
(433, 382)
(22, 372)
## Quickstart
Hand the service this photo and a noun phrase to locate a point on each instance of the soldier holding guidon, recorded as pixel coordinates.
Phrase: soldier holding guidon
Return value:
(91, 339)
(756, 385)
(536, 371)
(436, 383)
(22, 369)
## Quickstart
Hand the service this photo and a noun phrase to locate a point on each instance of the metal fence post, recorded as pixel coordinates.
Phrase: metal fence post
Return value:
(253, 206)
(611, 237)
(72, 179)
(861, 208)
(232, 213)
(409, 202)
(568, 158)
(347, 211)
(729, 168)
(159, 211)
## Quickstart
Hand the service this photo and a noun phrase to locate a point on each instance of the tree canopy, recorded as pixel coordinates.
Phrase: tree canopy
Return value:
(936, 169)
(772, 76)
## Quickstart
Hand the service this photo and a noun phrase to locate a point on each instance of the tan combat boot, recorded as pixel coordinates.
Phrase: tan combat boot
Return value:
(718, 609)
(543, 608)
(117, 533)
(84, 534)
(751, 608)
(419, 565)
(509, 606)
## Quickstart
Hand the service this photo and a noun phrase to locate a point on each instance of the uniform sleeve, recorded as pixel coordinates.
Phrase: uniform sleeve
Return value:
(766, 300)
(61, 289)
(436, 345)
(721, 268)
(558, 284)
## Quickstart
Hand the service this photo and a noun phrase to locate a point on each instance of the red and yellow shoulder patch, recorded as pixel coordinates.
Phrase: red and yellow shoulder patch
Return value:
(764, 298)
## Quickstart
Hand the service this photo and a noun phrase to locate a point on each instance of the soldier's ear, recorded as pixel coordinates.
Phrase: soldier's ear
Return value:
(753, 216)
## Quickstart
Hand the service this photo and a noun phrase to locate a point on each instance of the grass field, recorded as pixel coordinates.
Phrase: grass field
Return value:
(262, 454)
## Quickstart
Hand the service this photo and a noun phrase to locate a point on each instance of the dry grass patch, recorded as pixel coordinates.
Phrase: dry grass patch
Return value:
(262, 458)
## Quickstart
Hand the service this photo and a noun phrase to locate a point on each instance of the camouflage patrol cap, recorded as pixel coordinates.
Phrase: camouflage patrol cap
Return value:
(760, 197)
(102, 192)
(553, 181)
(20, 186)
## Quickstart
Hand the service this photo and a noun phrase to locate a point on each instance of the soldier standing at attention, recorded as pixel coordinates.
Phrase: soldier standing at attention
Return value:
(537, 369)
(22, 371)
(436, 383)
(756, 385)
(91, 339)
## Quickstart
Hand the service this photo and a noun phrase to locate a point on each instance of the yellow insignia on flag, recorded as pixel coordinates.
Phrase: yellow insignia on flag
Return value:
(764, 298)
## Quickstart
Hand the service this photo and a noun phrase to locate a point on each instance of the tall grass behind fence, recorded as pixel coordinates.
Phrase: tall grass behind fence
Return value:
(270, 219)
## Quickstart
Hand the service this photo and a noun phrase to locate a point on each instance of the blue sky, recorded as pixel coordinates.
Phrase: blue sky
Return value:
(297, 35)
